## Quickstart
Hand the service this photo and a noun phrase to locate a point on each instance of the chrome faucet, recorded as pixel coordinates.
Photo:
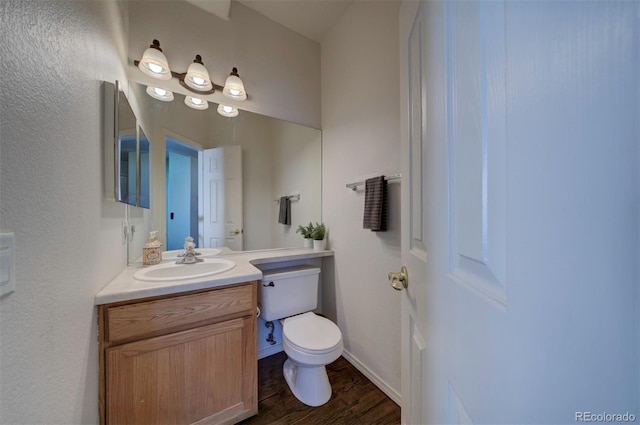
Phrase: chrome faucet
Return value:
(189, 256)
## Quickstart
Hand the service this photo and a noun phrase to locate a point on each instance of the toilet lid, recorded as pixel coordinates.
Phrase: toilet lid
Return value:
(311, 332)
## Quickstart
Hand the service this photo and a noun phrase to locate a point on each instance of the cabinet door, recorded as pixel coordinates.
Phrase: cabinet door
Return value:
(206, 374)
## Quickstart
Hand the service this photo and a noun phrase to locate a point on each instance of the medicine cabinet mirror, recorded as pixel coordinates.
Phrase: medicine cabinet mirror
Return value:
(126, 151)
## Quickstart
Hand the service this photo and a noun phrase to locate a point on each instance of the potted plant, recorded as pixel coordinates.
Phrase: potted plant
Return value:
(319, 237)
(306, 232)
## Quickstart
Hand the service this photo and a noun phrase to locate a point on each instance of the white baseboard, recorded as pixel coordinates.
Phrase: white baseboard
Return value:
(270, 350)
(378, 382)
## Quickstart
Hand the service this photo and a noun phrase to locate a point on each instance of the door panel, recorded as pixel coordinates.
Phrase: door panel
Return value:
(476, 141)
(233, 217)
(213, 198)
(179, 378)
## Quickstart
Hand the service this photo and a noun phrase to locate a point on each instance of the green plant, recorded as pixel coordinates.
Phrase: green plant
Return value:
(305, 231)
(319, 232)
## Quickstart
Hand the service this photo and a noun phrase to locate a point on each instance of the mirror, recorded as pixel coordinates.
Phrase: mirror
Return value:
(127, 168)
(143, 166)
(126, 151)
(278, 159)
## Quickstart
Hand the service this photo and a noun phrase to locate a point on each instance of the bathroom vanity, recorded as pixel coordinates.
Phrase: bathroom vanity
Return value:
(183, 352)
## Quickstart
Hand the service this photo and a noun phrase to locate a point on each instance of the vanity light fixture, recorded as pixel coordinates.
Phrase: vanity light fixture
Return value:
(227, 111)
(233, 87)
(154, 63)
(196, 79)
(197, 76)
(196, 103)
(160, 94)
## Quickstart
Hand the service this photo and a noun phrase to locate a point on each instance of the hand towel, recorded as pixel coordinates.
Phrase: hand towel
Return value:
(285, 211)
(376, 204)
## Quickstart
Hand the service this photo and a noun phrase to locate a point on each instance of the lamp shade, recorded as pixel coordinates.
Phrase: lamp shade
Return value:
(197, 76)
(154, 63)
(196, 103)
(233, 87)
(227, 111)
(160, 94)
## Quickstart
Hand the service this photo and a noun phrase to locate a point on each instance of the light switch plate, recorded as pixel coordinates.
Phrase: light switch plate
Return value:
(7, 264)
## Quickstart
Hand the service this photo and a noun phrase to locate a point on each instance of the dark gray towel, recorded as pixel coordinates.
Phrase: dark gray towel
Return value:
(376, 204)
(285, 211)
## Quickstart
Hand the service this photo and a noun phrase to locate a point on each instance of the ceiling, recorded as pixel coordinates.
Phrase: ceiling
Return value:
(311, 18)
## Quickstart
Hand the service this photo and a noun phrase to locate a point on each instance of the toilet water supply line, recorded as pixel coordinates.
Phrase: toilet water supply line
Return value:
(270, 339)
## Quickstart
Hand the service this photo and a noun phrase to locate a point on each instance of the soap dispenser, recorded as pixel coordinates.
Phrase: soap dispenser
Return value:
(151, 253)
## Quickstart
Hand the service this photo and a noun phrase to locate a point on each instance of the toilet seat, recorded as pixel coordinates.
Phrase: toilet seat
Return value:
(312, 334)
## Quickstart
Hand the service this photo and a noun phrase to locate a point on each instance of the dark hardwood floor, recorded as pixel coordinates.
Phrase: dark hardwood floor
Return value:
(355, 399)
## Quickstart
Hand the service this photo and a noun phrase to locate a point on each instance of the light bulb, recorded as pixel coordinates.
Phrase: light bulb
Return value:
(159, 91)
(155, 68)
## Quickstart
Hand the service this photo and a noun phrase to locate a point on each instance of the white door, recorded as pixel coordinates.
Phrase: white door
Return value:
(222, 214)
(520, 211)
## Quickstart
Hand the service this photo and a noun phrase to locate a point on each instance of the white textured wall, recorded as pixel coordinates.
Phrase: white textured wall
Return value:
(360, 123)
(68, 240)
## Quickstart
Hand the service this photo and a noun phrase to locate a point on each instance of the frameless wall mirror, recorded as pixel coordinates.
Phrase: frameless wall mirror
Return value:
(126, 151)
(277, 159)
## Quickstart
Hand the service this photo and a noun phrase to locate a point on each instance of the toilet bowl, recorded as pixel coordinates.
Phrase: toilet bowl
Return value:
(309, 340)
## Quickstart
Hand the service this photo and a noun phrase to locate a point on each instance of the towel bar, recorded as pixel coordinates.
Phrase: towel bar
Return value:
(353, 186)
(295, 197)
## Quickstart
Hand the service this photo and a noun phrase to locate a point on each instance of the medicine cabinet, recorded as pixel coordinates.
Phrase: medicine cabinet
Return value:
(126, 151)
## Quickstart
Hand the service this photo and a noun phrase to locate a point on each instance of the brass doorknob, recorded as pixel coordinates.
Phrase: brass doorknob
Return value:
(234, 232)
(399, 281)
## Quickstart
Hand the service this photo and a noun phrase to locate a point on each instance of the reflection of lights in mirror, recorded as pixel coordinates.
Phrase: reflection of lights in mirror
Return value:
(227, 111)
(191, 101)
(196, 103)
(160, 94)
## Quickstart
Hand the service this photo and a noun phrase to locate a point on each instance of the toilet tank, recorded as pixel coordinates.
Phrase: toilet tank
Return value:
(288, 291)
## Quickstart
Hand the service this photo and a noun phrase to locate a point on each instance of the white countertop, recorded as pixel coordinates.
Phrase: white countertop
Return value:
(124, 287)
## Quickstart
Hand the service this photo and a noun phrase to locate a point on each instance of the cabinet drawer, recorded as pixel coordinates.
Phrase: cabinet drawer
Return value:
(143, 319)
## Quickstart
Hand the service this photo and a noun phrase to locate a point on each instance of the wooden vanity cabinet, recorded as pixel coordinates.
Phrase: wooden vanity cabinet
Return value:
(182, 359)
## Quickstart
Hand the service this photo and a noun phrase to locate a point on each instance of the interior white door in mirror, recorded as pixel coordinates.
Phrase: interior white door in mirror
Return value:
(520, 202)
(222, 214)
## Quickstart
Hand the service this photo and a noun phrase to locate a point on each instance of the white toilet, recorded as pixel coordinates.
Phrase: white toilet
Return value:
(310, 341)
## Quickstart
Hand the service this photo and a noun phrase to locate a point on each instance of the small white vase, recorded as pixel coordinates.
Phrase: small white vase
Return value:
(308, 243)
(319, 245)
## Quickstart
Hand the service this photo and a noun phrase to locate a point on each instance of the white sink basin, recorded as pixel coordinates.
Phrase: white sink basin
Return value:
(204, 253)
(171, 271)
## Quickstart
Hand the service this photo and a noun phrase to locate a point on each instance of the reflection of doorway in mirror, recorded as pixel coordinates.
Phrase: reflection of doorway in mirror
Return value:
(222, 200)
(182, 193)
(127, 169)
